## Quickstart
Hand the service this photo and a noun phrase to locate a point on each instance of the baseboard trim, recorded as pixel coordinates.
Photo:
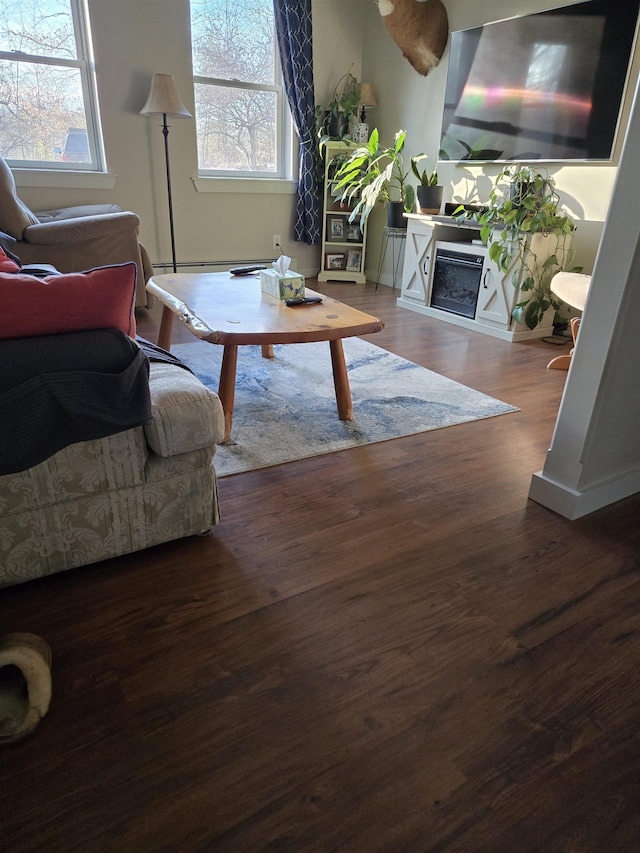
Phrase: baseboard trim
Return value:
(573, 504)
(484, 327)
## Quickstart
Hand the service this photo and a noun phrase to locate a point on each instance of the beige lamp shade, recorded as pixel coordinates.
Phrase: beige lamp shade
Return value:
(164, 99)
(367, 97)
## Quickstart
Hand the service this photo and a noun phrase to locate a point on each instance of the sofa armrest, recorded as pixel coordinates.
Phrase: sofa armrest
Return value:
(82, 228)
(186, 414)
(61, 213)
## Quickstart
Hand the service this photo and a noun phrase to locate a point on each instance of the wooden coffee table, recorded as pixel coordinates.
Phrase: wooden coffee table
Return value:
(233, 311)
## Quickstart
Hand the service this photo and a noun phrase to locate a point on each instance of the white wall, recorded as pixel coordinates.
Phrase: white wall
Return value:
(338, 43)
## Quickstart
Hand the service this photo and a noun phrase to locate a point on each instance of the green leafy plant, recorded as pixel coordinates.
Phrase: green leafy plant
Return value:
(373, 174)
(333, 119)
(523, 203)
(426, 179)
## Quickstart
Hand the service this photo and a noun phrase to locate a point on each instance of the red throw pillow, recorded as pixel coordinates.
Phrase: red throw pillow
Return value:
(101, 298)
(6, 264)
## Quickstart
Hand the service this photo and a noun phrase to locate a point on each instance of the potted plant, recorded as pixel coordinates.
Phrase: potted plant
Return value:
(428, 192)
(336, 194)
(373, 174)
(333, 120)
(523, 222)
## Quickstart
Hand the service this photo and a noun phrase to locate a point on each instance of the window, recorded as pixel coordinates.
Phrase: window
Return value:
(48, 105)
(242, 118)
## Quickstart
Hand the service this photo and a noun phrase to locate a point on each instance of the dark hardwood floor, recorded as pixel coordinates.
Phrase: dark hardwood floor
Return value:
(385, 649)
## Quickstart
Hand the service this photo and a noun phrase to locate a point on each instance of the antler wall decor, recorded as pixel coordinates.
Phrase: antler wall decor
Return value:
(420, 28)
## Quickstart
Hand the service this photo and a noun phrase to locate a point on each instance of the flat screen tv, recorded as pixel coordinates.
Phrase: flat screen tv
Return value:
(546, 86)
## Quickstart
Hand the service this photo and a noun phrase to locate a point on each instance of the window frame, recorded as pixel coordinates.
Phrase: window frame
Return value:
(284, 133)
(85, 63)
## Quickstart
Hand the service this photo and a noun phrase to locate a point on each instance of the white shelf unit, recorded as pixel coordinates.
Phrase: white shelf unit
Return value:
(343, 243)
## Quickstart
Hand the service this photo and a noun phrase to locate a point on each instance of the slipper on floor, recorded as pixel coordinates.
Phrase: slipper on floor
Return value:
(25, 685)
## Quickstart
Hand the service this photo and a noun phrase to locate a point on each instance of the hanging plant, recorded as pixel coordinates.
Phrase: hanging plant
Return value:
(333, 120)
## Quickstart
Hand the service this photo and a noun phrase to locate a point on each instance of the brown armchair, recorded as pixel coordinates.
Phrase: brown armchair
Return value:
(75, 244)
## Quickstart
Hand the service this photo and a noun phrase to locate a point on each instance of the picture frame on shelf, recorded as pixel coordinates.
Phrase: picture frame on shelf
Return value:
(335, 227)
(354, 234)
(335, 261)
(354, 260)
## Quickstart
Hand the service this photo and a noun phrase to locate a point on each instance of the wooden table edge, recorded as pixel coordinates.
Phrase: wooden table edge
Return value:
(173, 307)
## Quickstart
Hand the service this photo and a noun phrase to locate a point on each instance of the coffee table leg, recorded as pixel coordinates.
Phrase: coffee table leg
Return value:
(341, 381)
(227, 388)
(166, 328)
(267, 351)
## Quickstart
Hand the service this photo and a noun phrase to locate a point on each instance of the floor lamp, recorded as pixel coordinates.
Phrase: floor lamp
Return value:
(164, 100)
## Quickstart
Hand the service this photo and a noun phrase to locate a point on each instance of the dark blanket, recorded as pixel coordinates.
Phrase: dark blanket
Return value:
(156, 353)
(56, 390)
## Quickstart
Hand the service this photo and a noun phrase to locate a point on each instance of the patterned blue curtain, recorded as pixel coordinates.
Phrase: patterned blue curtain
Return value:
(294, 34)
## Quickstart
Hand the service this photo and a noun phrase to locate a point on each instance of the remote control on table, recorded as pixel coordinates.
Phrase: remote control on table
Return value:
(247, 270)
(302, 300)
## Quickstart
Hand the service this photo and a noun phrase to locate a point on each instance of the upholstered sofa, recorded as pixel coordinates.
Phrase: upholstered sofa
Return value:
(120, 493)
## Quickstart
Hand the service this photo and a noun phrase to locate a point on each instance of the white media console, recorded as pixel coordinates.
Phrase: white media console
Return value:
(447, 274)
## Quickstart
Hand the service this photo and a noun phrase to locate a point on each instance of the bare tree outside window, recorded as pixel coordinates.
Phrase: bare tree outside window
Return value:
(45, 91)
(238, 92)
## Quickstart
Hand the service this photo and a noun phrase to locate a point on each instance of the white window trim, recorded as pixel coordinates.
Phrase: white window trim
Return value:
(45, 178)
(254, 185)
(285, 137)
(284, 131)
(86, 66)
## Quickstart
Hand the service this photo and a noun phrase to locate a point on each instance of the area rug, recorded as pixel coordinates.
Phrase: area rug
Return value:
(285, 407)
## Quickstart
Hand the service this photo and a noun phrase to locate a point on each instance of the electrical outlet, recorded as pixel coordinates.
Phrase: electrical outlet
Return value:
(276, 241)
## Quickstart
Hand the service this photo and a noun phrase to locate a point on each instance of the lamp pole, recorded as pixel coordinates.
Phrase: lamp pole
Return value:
(163, 100)
(165, 133)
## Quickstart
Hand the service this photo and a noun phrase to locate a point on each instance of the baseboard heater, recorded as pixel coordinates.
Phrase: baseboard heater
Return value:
(220, 266)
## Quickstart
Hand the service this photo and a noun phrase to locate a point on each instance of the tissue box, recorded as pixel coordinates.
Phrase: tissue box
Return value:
(287, 286)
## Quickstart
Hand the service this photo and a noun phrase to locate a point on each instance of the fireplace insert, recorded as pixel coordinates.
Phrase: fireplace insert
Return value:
(456, 280)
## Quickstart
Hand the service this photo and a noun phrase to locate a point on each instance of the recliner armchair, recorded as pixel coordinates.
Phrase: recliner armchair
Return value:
(75, 244)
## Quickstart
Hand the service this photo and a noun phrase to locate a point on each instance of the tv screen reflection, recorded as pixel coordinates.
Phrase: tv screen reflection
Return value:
(533, 88)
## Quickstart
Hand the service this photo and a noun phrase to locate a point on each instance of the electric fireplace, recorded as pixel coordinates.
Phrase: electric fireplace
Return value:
(456, 280)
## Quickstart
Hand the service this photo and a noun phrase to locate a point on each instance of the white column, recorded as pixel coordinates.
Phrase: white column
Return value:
(594, 458)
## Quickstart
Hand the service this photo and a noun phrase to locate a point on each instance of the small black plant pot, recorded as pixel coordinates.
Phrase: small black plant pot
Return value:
(337, 126)
(429, 199)
(395, 219)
